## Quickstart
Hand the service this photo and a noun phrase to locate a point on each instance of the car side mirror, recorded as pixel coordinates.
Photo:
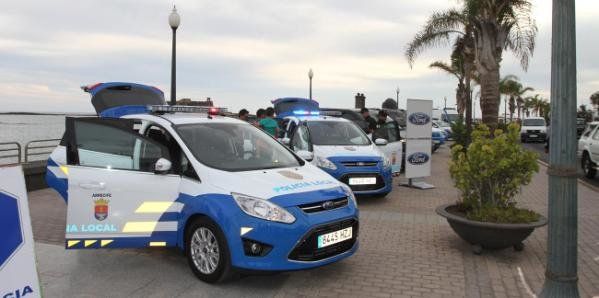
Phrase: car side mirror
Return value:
(286, 141)
(162, 166)
(306, 155)
(380, 142)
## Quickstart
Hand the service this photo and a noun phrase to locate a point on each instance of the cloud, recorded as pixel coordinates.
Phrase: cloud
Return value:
(244, 53)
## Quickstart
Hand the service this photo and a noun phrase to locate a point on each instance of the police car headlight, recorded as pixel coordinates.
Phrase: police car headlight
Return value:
(263, 209)
(350, 194)
(325, 163)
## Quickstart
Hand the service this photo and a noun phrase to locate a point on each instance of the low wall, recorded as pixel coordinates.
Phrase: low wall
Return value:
(35, 175)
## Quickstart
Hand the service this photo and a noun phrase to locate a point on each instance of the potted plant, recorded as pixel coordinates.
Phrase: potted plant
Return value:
(489, 173)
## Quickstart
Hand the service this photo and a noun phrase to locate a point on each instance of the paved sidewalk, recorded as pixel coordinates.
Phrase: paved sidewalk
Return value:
(405, 250)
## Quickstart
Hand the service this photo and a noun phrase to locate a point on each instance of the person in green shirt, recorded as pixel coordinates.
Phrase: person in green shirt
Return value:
(269, 124)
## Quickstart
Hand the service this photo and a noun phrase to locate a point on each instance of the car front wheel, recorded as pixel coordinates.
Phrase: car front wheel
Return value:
(588, 166)
(207, 251)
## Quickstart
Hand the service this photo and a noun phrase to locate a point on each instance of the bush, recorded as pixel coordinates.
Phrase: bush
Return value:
(459, 133)
(490, 173)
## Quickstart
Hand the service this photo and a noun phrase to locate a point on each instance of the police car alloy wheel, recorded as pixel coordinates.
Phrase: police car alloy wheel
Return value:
(207, 251)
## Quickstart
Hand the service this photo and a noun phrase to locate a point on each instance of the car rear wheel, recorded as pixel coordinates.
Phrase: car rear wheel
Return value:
(588, 166)
(207, 251)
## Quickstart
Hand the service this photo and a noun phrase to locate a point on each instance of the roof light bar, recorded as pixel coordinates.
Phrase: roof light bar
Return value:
(186, 109)
(331, 113)
(305, 113)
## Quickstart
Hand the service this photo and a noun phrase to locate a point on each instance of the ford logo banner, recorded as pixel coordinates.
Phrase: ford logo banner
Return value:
(419, 118)
(418, 158)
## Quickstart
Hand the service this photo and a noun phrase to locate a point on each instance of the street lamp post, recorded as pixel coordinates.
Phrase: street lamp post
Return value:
(310, 76)
(174, 20)
(561, 277)
(397, 98)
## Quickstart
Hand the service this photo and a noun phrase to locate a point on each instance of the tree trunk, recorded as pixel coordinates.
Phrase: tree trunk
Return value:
(489, 103)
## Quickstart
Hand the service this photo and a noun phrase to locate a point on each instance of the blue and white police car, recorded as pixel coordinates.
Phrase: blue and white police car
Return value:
(144, 174)
(342, 149)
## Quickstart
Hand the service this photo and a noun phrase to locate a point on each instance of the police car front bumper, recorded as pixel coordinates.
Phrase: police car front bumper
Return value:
(383, 175)
(286, 247)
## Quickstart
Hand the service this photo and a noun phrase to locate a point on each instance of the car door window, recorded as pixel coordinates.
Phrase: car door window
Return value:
(596, 135)
(181, 164)
(588, 131)
(99, 144)
(389, 131)
(300, 139)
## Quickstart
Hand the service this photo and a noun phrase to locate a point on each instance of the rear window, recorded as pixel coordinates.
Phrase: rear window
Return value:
(533, 122)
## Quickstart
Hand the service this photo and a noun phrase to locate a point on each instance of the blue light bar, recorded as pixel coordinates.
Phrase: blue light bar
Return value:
(305, 113)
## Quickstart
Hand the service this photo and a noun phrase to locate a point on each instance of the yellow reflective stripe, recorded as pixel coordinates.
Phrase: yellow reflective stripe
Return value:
(153, 207)
(87, 243)
(157, 243)
(64, 169)
(139, 226)
(105, 242)
(71, 243)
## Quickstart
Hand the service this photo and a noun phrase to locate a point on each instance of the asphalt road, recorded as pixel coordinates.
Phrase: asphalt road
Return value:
(540, 148)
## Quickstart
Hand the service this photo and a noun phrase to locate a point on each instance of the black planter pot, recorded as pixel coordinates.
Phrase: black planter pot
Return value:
(489, 235)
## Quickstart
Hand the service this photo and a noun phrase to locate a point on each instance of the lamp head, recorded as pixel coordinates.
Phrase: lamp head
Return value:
(174, 20)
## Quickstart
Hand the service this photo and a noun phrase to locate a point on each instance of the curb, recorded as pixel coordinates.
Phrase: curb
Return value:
(592, 187)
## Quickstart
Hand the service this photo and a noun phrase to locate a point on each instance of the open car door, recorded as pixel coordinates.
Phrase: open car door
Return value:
(121, 192)
(393, 149)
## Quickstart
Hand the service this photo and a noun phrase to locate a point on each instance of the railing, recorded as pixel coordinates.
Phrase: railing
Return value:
(39, 147)
(13, 153)
(10, 150)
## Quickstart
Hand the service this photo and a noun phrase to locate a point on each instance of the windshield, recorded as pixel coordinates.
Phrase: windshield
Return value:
(235, 147)
(334, 133)
(452, 117)
(533, 122)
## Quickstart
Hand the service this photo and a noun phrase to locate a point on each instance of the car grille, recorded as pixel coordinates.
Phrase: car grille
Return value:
(324, 205)
(307, 249)
(359, 163)
(380, 182)
(533, 131)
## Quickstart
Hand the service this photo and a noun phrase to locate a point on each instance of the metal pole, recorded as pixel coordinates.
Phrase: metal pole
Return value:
(174, 69)
(310, 88)
(397, 100)
(561, 278)
(505, 110)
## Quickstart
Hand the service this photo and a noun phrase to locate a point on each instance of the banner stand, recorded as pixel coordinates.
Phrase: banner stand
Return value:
(418, 143)
(416, 183)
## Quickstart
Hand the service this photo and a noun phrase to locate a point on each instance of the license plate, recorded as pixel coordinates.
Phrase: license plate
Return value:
(327, 239)
(362, 181)
(533, 136)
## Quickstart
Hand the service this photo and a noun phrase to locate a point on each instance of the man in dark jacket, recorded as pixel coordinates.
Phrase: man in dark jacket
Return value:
(371, 122)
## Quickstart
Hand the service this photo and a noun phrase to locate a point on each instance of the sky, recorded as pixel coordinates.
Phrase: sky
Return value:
(243, 54)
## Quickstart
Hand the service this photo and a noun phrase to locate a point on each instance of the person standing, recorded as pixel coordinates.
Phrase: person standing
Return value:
(269, 124)
(260, 114)
(243, 115)
(371, 122)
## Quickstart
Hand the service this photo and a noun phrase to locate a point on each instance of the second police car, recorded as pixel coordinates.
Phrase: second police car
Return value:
(339, 147)
(143, 175)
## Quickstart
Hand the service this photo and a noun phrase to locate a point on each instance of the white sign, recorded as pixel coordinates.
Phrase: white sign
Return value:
(418, 138)
(18, 275)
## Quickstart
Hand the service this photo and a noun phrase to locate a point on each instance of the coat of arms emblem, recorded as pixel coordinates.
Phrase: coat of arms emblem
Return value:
(101, 209)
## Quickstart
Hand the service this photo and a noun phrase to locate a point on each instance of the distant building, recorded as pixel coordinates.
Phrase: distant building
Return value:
(198, 103)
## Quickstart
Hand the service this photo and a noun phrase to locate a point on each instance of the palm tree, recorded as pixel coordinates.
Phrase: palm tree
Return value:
(441, 29)
(513, 90)
(498, 25)
(595, 100)
(456, 68)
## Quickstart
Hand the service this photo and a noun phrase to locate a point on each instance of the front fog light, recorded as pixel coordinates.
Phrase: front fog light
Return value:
(255, 249)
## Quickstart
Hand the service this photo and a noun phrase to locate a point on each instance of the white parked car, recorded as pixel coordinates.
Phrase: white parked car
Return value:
(588, 149)
(533, 129)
